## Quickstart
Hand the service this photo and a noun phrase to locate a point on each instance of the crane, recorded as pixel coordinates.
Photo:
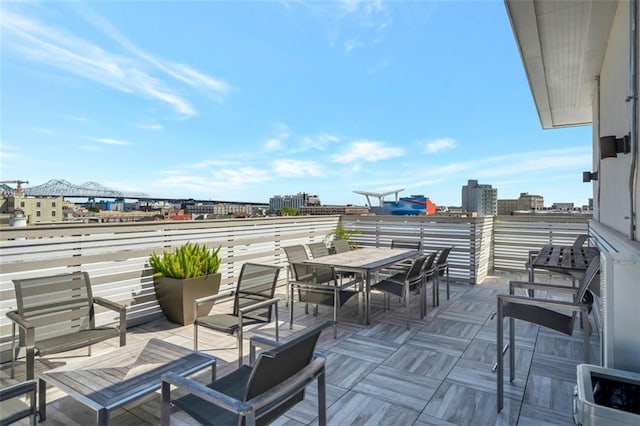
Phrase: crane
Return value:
(18, 183)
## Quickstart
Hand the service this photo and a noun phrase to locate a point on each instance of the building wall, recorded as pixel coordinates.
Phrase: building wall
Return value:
(611, 117)
(38, 209)
(482, 199)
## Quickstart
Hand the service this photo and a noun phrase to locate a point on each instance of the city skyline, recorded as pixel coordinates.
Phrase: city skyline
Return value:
(243, 101)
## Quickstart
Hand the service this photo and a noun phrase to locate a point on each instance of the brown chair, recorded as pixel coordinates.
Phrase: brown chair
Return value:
(542, 312)
(257, 393)
(253, 303)
(56, 314)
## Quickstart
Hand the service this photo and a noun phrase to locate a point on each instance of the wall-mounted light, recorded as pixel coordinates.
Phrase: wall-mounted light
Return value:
(610, 146)
(589, 176)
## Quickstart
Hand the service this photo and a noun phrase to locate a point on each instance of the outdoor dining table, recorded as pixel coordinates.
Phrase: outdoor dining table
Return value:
(563, 259)
(367, 261)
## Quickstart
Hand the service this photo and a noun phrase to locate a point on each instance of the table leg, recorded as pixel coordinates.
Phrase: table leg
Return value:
(367, 298)
(103, 417)
(42, 399)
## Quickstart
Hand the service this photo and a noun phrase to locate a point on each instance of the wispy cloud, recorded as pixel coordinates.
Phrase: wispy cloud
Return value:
(213, 163)
(110, 141)
(437, 145)
(511, 166)
(297, 168)
(78, 118)
(240, 177)
(319, 142)
(151, 126)
(60, 49)
(369, 151)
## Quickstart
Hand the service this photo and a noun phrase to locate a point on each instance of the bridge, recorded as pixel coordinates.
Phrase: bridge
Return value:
(93, 190)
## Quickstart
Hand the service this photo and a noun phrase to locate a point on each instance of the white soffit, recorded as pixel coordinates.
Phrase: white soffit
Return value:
(562, 45)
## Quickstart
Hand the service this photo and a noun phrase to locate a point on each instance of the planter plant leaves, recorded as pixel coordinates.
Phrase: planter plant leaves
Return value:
(183, 275)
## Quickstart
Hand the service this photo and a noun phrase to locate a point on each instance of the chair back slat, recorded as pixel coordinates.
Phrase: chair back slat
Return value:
(591, 278)
(415, 272)
(406, 244)
(579, 241)
(341, 246)
(444, 255)
(275, 366)
(56, 305)
(318, 250)
(255, 284)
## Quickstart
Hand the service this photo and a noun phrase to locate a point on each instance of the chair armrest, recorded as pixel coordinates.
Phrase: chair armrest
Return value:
(19, 320)
(18, 389)
(263, 342)
(122, 310)
(543, 303)
(210, 395)
(541, 286)
(259, 305)
(222, 295)
(109, 304)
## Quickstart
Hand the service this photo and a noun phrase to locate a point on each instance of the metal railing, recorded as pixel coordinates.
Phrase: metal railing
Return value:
(116, 255)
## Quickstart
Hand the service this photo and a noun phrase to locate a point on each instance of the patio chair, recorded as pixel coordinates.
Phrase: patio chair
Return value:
(403, 283)
(257, 393)
(56, 314)
(318, 250)
(442, 269)
(320, 285)
(12, 405)
(407, 244)
(341, 246)
(253, 303)
(545, 313)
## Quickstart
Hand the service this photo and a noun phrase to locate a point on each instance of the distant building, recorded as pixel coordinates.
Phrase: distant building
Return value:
(526, 202)
(212, 210)
(327, 210)
(562, 206)
(482, 199)
(301, 199)
(36, 209)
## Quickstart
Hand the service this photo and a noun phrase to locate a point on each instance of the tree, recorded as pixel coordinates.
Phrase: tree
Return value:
(288, 211)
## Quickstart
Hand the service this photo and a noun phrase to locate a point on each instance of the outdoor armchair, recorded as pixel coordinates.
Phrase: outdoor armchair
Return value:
(442, 269)
(341, 246)
(320, 285)
(56, 314)
(256, 393)
(543, 312)
(402, 284)
(253, 303)
(12, 405)
(318, 250)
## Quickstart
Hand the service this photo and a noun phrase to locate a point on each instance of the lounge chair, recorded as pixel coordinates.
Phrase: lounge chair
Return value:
(253, 303)
(543, 312)
(56, 314)
(256, 393)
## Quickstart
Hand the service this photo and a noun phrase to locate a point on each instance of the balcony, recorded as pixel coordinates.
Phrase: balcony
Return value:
(440, 371)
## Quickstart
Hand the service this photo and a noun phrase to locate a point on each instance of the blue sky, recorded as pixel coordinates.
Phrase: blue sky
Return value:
(243, 100)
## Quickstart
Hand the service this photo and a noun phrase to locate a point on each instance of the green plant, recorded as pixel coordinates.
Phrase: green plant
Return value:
(187, 261)
(341, 234)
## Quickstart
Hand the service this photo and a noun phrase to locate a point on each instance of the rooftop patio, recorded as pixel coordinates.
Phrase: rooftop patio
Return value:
(439, 372)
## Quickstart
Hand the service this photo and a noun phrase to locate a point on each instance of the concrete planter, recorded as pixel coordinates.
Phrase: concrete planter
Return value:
(176, 296)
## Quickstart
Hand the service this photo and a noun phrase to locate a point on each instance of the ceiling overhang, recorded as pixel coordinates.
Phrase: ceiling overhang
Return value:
(562, 45)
